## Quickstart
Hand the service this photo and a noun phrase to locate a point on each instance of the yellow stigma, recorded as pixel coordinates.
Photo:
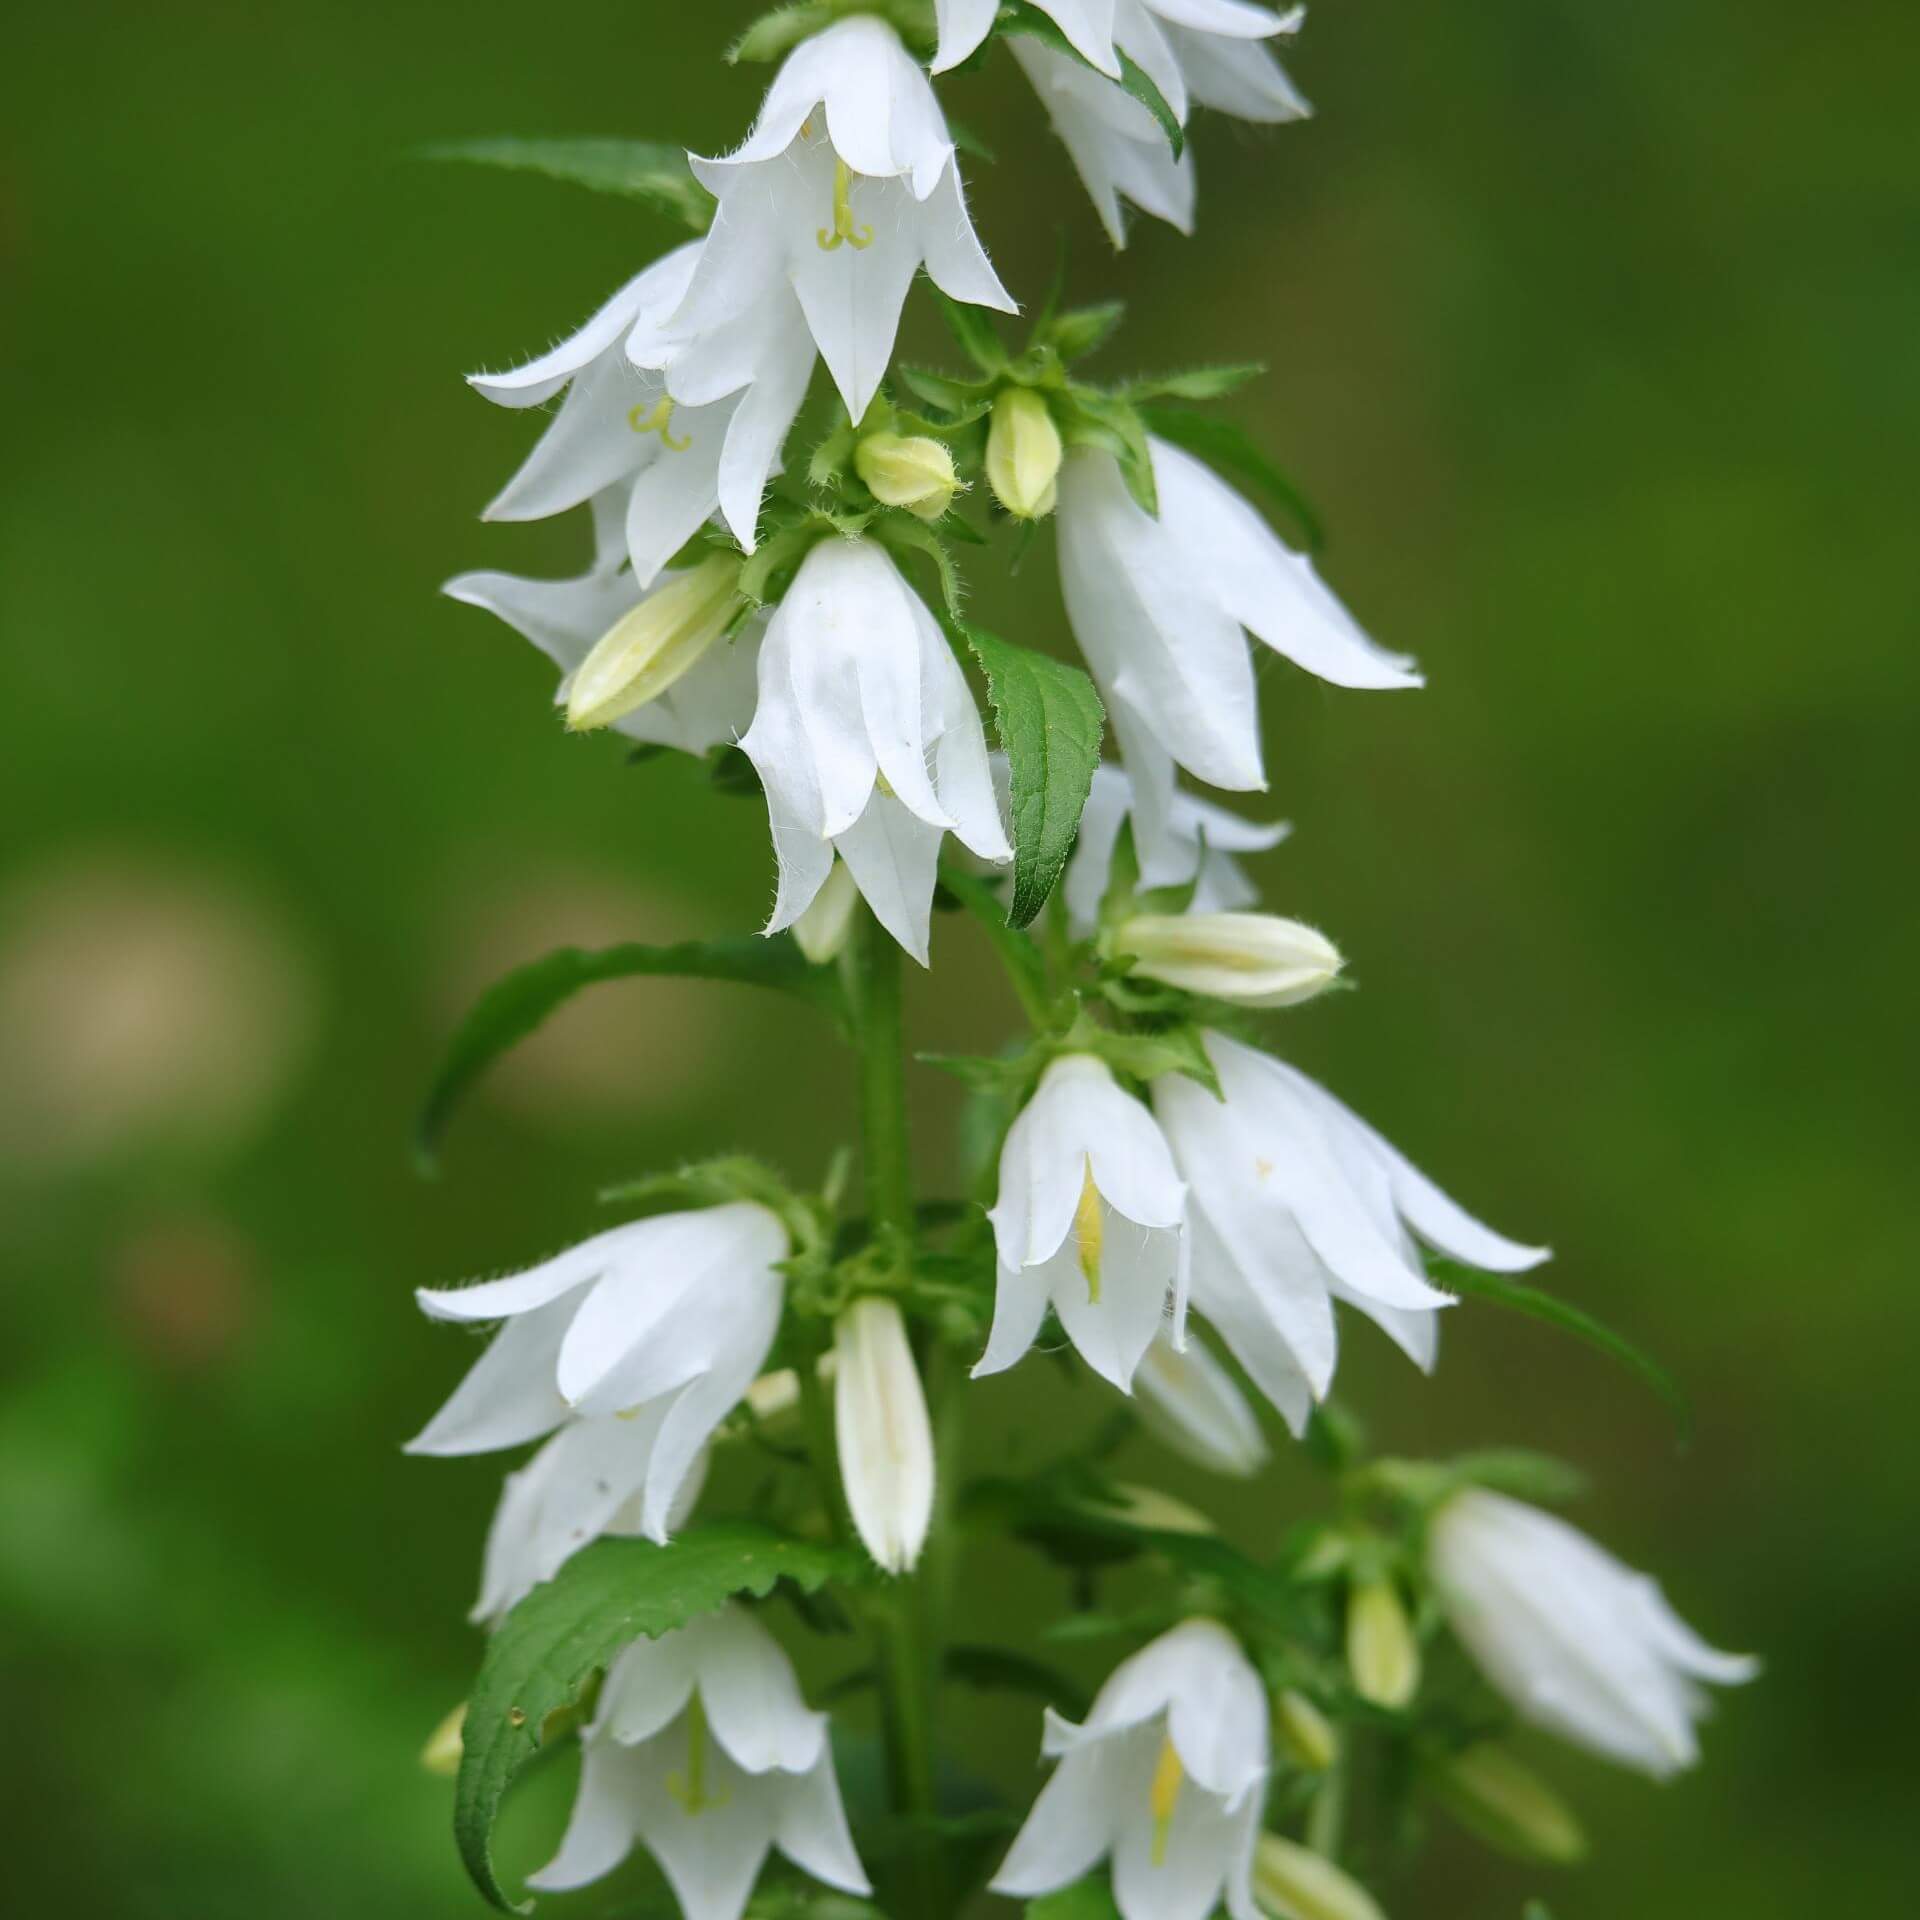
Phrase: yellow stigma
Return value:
(843, 226)
(1164, 1796)
(658, 419)
(1087, 1233)
(690, 1788)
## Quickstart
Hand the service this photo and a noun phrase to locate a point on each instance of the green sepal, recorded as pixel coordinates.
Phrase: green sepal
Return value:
(716, 1182)
(1088, 417)
(896, 528)
(1080, 330)
(960, 398)
(634, 169)
(1145, 1055)
(1196, 383)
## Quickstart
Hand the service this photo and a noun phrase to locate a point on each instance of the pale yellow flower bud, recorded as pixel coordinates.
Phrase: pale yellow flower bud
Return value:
(822, 929)
(1309, 1737)
(774, 1394)
(884, 1435)
(1023, 454)
(1293, 1882)
(1509, 1805)
(647, 650)
(1382, 1653)
(915, 473)
(442, 1752)
(1254, 959)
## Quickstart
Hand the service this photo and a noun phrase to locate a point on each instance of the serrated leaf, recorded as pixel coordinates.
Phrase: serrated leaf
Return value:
(564, 1632)
(1227, 447)
(1050, 723)
(1539, 1305)
(634, 169)
(516, 1006)
(970, 326)
(1196, 383)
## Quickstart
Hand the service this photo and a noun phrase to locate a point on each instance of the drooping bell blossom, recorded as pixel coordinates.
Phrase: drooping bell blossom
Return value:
(703, 1750)
(588, 1480)
(1577, 1642)
(1215, 47)
(1117, 147)
(882, 1433)
(1190, 1403)
(867, 741)
(1087, 24)
(1088, 1221)
(1176, 839)
(665, 1322)
(694, 424)
(1251, 959)
(1161, 609)
(708, 705)
(1294, 1202)
(1167, 1774)
(846, 186)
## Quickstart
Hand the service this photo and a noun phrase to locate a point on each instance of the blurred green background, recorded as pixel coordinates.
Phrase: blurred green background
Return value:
(1592, 332)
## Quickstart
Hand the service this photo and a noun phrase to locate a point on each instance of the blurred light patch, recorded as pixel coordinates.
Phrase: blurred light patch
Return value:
(143, 1008)
(185, 1288)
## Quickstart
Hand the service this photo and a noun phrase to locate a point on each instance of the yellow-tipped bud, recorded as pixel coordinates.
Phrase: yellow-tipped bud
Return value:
(647, 650)
(1023, 454)
(442, 1752)
(821, 931)
(915, 473)
(1292, 1882)
(1382, 1653)
(1253, 959)
(1509, 1806)
(1308, 1736)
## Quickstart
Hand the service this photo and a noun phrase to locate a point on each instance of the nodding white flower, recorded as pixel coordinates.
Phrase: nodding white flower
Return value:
(589, 1480)
(1295, 1202)
(1176, 839)
(708, 704)
(1162, 608)
(1215, 46)
(1117, 147)
(867, 741)
(1578, 1643)
(1253, 959)
(884, 1437)
(1167, 1774)
(703, 1750)
(1087, 24)
(1088, 1221)
(1189, 1402)
(663, 1322)
(693, 424)
(846, 186)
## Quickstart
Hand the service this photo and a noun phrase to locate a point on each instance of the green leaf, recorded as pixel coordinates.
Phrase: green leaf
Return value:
(1089, 1899)
(970, 326)
(635, 169)
(514, 1007)
(553, 1643)
(1050, 722)
(1227, 446)
(1197, 383)
(1505, 1292)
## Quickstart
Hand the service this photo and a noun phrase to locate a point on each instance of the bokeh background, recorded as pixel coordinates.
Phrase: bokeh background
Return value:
(1592, 333)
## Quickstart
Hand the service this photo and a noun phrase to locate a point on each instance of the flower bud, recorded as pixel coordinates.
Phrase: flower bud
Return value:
(1305, 1732)
(773, 1395)
(648, 649)
(1023, 454)
(1382, 1653)
(1293, 1882)
(915, 473)
(1255, 959)
(821, 931)
(442, 1752)
(1508, 1805)
(885, 1438)
(1148, 1507)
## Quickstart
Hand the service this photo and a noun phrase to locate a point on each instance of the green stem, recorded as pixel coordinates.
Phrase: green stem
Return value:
(873, 976)
(1327, 1816)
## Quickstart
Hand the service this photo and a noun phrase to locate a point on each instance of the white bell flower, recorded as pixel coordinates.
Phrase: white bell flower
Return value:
(867, 742)
(703, 1750)
(1088, 1221)
(1167, 1774)
(665, 1322)
(710, 704)
(1189, 1402)
(882, 1433)
(694, 424)
(846, 186)
(1161, 609)
(1578, 1643)
(1295, 1202)
(1087, 24)
(1214, 45)
(589, 1480)
(1176, 839)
